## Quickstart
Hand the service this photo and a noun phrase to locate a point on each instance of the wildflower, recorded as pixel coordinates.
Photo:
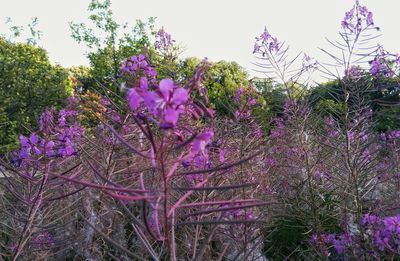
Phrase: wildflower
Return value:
(29, 146)
(266, 42)
(138, 66)
(169, 104)
(376, 66)
(198, 152)
(166, 103)
(370, 20)
(46, 120)
(256, 48)
(369, 220)
(163, 40)
(135, 96)
(354, 72)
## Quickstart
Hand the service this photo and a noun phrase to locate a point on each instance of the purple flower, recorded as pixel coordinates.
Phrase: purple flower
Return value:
(357, 18)
(376, 65)
(369, 220)
(379, 66)
(345, 24)
(350, 135)
(265, 42)
(354, 72)
(363, 136)
(270, 162)
(238, 95)
(265, 36)
(363, 10)
(136, 67)
(349, 14)
(198, 152)
(370, 20)
(134, 99)
(163, 40)
(29, 146)
(167, 103)
(64, 114)
(46, 120)
(256, 48)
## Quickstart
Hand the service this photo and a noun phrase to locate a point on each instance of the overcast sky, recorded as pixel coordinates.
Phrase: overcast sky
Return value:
(217, 29)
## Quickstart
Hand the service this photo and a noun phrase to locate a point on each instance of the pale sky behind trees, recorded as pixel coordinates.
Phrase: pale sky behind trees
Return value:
(217, 29)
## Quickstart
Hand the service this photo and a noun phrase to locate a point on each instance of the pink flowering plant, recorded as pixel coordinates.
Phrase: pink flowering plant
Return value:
(162, 175)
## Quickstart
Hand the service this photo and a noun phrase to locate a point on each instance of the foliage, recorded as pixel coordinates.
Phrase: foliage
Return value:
(110, 42)
(163, 175)
(225, 79)
(26, 77)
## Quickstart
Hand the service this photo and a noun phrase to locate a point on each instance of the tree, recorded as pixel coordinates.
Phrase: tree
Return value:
(224, 79)
(28, 84)
(110, 42)
(382, 93)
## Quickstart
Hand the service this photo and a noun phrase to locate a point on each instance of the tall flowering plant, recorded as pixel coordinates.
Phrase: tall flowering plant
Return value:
(162, 161)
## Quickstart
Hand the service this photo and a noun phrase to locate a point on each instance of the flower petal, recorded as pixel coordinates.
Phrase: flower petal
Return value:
(180, 96)
(134, 99)
(171, 116)
(166, 86)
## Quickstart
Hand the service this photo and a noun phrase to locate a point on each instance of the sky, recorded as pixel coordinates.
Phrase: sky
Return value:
(217, 29)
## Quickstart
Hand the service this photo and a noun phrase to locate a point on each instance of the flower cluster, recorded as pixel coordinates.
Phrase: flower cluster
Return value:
(355, 72)
(379, 67)
(357, 19)
(339, 242)
(266, 43)
(59, 135)
(383, 232)
(245, 100)
(165, 103)
(163, 40)
(198, 152)
(391, 135)
(136, 67)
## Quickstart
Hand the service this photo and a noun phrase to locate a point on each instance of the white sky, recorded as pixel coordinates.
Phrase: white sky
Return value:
(217, 29)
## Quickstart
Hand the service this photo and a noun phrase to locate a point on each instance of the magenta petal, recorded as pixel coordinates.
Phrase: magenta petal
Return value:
(37, 150)
(24, 153)
(50, 144)
(171, 116)
(143, 83)
(206, 136)
(166, 86)
(196, 146)
(24, 141)
(180, 96)
(33, 139)
(134, 99)
(153, 101)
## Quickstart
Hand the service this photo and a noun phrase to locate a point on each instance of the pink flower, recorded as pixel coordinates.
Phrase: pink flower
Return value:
(198, 152)
(166, 103)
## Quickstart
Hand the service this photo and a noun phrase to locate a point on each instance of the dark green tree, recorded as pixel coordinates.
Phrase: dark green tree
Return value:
(110, 42)
(28, 84)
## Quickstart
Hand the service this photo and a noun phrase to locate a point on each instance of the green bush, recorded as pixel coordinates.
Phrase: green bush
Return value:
(28, 84)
